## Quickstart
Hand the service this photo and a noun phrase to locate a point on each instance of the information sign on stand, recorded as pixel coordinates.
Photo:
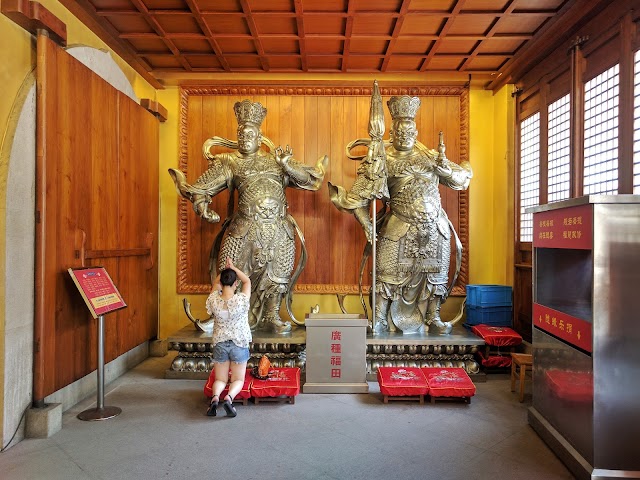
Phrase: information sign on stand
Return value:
(101, 297)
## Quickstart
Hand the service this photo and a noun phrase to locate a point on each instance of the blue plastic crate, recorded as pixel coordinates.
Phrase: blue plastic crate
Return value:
(494, 316)
(489, 295)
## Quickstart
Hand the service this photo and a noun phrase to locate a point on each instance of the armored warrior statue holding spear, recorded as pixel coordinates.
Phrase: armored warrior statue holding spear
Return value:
(411, 247)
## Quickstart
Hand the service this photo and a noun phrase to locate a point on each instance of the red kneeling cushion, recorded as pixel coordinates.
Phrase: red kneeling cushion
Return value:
(281, 381)
(497, 336)
(571, 386)
(244, 393)
(495, 361)
(449, 382)
(402, 381)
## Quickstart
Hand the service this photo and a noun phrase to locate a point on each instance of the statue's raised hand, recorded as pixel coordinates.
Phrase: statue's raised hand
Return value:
(283, 156)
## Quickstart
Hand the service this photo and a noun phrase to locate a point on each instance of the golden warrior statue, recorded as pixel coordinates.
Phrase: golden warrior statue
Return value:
(413, 241)
(260, 235)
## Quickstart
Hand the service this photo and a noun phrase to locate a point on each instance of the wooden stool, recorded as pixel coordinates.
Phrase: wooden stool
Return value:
(521, 360)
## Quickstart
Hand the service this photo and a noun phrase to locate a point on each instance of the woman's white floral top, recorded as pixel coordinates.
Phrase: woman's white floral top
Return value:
(230, 318)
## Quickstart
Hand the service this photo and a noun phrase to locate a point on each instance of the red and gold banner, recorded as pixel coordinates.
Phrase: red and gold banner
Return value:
(564, 228)
(572, 330)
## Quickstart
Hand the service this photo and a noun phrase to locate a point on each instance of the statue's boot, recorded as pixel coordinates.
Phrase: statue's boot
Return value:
(382, 323)
(280, 327)
(273, 315)
(433, 320)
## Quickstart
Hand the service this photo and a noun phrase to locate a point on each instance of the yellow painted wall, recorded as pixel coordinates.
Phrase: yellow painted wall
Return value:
(491, 190)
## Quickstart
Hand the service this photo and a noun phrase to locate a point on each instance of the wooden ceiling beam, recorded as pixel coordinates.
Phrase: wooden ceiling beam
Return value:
(32, 16)
(193, 6)
(246, 8)
(117, 12)
(302, 46)
(509, 7)
(155, 25)
(555, 31)
(404, 7)
(105, 12)
(442, 33)
(348, 32)
(86, 13)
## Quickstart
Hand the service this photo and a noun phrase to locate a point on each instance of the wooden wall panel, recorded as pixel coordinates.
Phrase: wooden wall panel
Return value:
(314, 121)
(97, 203)
(138, 144)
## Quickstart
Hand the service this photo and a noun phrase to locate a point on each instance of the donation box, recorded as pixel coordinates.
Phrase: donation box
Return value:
(336, 354)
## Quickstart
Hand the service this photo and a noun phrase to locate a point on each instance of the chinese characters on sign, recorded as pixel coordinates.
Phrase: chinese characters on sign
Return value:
(336, 351)
(566, 228)
(573, 330)
(97, 290)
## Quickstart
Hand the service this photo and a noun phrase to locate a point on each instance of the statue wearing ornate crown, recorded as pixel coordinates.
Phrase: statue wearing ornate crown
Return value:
(260, 236)
(412, 239)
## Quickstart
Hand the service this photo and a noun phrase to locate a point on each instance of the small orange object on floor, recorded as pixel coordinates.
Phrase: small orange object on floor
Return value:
(519, 364)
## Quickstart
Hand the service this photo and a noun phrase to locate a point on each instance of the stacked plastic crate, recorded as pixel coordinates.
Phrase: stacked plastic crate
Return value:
(489, 305)
(489, 310)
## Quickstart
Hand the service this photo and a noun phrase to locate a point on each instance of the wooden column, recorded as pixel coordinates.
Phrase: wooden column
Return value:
(41, 204)
(577, 117)
(625, 133)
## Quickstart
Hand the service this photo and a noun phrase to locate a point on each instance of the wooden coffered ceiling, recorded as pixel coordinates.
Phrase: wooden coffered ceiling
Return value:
(185, 39)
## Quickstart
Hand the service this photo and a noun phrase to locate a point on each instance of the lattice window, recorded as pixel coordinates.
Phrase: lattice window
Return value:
(636, 126)
(559, 150)
(529, 173)
(601, 133)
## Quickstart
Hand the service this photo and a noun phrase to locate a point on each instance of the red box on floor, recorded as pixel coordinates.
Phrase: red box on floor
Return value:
(571, 386)
(449, 382)
(497, 336)
(402, 381)
(281, 382)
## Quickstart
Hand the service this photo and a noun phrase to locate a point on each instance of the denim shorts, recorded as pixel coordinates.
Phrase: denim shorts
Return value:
(229, 351)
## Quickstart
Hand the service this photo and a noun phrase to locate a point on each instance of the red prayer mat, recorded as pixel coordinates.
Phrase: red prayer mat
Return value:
(449, 382)
(402, 381)
(244, 393)
(571, 386)
(497, 336)
(281, 381)
(495, 361)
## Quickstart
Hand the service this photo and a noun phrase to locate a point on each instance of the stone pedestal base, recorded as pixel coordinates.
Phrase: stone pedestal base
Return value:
(388, 350)
(44, 422)
(195, 349)
(158, 348)
(456, 349)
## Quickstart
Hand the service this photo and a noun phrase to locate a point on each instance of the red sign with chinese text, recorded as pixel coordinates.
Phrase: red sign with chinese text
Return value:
(336, 357)
(97, 290)
(572, 330)
(564, 228)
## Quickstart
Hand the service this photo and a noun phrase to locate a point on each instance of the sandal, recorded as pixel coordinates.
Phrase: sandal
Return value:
(212, 412)
(228, 407)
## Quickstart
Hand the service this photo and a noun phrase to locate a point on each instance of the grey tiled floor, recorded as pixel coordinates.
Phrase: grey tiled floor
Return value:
(163, 433)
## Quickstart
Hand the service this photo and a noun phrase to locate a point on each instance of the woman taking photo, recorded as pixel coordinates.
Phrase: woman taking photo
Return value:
(231, 334)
